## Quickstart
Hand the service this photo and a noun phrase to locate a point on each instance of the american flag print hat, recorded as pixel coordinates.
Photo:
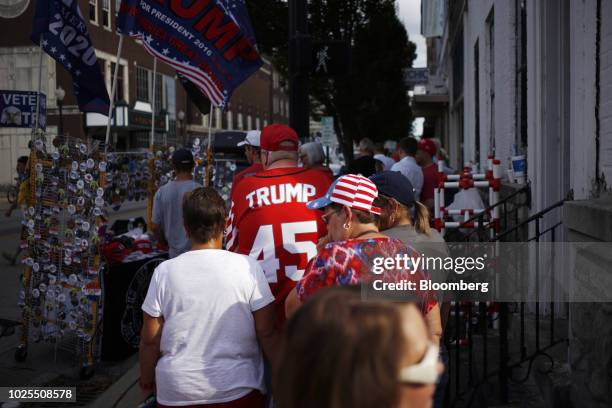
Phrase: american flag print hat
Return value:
(352, 190)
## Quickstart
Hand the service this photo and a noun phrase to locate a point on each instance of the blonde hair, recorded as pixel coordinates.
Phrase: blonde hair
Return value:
(392, 211)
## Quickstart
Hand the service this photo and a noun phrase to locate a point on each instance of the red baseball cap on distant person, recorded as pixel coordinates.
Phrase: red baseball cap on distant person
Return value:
(428, 146)
(273, 136)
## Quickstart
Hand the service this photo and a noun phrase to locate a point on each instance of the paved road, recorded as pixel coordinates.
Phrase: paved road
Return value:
(44, 360)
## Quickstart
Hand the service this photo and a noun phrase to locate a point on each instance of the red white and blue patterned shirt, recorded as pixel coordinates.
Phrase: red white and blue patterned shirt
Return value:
(350, 262)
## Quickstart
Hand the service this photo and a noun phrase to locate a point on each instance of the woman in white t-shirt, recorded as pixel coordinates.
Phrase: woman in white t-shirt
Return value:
(206, 314)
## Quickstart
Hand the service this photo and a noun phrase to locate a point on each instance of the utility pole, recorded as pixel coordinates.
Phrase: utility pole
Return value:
(299, 67)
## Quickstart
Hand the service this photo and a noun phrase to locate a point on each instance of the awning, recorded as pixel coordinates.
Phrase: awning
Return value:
(425, 105)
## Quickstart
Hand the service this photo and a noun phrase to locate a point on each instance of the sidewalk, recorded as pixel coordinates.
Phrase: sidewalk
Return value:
(124, 393)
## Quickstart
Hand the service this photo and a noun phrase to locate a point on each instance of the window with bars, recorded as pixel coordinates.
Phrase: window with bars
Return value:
(477, 100)
(159, 93)
(93, 11)
(218, 118)
(170, 96)
(491, 55)
(119, 93)
(106, 13)
(230, 120)
(142, 84)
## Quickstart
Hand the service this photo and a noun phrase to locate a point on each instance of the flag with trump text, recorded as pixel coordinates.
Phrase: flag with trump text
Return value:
(61, 31)
(209, 42)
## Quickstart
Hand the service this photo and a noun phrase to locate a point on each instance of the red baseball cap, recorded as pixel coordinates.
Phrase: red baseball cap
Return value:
(273, 135)
(428, 146)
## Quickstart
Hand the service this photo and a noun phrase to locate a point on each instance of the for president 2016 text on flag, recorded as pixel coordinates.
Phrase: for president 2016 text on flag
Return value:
(61, 31)
(210, 42)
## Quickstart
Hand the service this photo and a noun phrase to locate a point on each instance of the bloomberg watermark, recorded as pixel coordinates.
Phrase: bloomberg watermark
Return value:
(496, 272)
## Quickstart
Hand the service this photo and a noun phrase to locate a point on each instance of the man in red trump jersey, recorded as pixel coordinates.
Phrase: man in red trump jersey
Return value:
(268, 218)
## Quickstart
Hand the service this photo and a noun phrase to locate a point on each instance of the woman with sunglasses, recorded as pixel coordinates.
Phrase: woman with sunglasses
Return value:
(397, 221)
(347, 254)
(338, 351)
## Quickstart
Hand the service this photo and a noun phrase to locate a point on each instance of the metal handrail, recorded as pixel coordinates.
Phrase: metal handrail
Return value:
(526, 189)
(505, 367)
(531, 218)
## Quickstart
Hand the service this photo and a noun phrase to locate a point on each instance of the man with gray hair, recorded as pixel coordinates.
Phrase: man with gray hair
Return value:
(365, 164)
(268, 219)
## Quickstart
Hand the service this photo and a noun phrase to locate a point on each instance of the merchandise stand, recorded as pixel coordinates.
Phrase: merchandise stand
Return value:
(62, 288)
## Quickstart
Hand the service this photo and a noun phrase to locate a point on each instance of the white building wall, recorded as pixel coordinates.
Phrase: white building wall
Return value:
(605, 107)
(582, 96)
(505, 84)
(495, 136)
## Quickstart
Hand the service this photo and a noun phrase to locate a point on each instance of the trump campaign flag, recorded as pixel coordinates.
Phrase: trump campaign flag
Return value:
(210, 42)
(59, 28)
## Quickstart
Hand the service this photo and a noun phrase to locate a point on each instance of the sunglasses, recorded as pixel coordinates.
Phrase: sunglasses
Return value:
(326, 217)
(425, 372)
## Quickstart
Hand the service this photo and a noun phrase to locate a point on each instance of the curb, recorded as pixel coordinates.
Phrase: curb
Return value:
(123, 393)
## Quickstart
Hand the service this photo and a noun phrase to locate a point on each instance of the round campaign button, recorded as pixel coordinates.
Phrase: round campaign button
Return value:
(85, 226)
(52, 279)
(74, 166)
(97, 212)
(80, 184)
(71, 209)
(55, 156)
(39, 168)
(42, 287)
(83, 148)
(196, 141)
(99, 201)
(35, 267)
(102, 166)
(35, 293)
(72, 279)
(90, 163)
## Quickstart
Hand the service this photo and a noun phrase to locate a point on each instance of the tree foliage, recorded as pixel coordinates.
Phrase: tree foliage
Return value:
(372, 100)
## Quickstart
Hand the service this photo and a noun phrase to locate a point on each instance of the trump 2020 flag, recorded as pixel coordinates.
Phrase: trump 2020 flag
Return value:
(210, 42)
(60, 29)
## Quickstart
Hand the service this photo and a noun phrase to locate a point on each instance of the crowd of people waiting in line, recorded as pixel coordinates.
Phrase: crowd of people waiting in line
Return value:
(261, 304)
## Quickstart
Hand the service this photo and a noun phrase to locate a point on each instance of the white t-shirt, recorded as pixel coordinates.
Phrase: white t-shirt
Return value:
(209, 350)
(412, 171)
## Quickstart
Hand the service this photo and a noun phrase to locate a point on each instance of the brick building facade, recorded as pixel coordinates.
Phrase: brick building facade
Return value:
(257, 102)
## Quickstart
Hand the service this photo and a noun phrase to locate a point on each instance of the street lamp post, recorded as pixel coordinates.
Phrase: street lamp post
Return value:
(59, 96)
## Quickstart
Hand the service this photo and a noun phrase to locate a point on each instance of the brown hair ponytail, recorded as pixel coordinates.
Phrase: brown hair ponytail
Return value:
(421, 219)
